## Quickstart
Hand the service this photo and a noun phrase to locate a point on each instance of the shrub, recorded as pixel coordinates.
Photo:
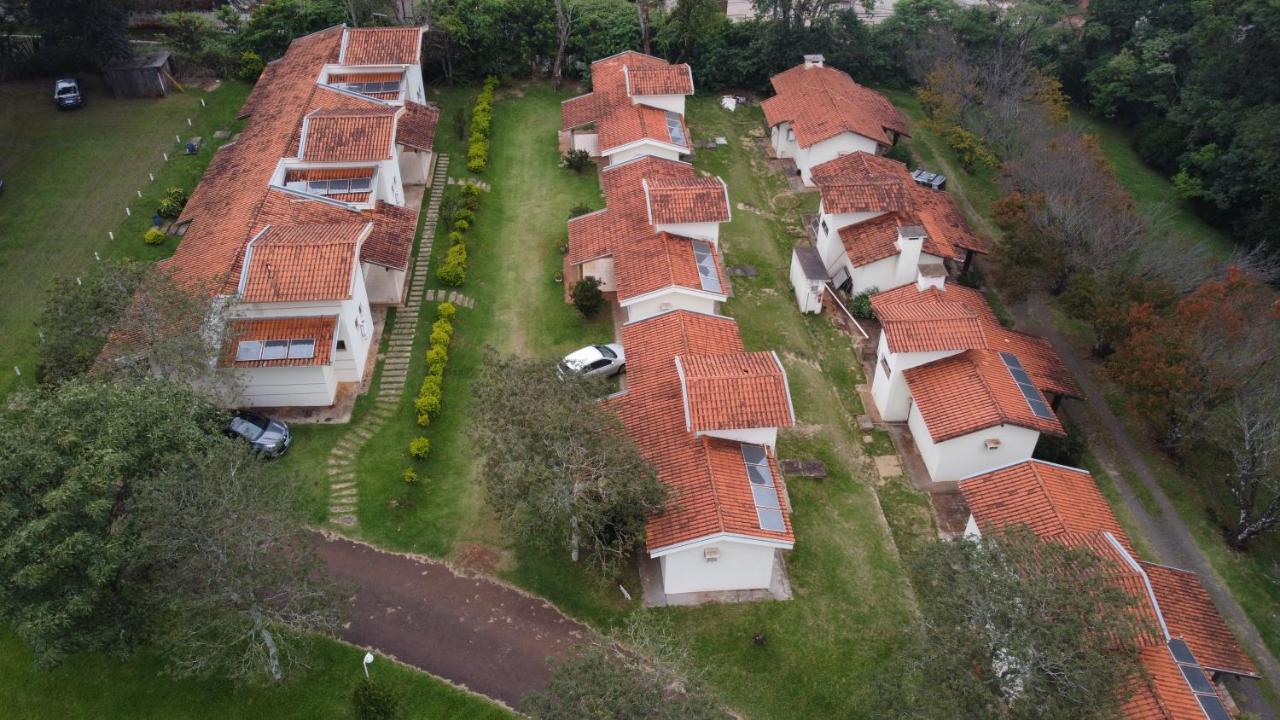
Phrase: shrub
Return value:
(469, 196)
(419, 447)
(461, 226)
(431, 385)
(440, 338)
(456, 238)
(481, 118)
(587, 296)
(423, 419)
(860, 304)
(576, 160)
(443, 326)
(465, 215)
(453, 271)
(437, 358)
(250, 67)
(446, 311)
(410, 476)
(579, 209)
(175, 198)
(371, 700)
(154, 236)
(427, 405)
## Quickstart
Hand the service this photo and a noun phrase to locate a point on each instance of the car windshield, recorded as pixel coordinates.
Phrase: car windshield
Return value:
(67, 90)
(606, 351)
(248, 428)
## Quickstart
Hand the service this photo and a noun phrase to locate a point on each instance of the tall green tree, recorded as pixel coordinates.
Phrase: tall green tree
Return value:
(1014, 628)
(80, 34)
(275, 23)
(71, 459)
(559, 469)
(79, 314)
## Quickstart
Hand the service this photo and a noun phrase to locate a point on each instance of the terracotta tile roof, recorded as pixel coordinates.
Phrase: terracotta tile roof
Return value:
(320, 328)
(1051, 500)
(1163, 693)
(710, 492)
(382, 46)
(660, 79)
(389, 244)
(687, 200)
(930, 327)
(578, 111)
(302, 262)
(650, 262)
(348, 135)
(822, 102)
(876, 239)
(417, 126)
(1038, 357)
(223, 205)
(261, 89)
(618, 119)
(1191, 615)
(969, 392)
(863, 182)
(626, 216)
(734, 391)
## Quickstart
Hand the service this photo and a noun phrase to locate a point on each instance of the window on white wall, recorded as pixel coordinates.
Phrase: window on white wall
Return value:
(884, 363)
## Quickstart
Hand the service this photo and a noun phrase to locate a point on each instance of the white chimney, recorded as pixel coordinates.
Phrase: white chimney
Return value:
(910, 242)
(813, 61)
(932, 275)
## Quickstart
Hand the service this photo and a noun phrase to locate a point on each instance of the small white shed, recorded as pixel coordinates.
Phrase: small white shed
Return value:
(808, 278)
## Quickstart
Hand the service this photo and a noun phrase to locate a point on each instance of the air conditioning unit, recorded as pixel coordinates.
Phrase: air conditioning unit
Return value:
(711, 554)
(992, 443)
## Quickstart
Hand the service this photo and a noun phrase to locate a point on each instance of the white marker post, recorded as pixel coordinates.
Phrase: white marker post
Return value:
(368, 657)
(139, 193)
(178, 138)
(166, 159)
(128, 212)
(111, 235)
(152, 176)
(202, 102)
(188, 122)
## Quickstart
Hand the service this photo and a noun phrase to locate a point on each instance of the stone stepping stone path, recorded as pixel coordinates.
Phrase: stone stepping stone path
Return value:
(474, 181)
(343, 488)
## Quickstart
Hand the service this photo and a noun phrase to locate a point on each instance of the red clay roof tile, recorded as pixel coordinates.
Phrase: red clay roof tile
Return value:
(618, 119)
(969, 392)
(931, 327)
(687, 200)
(382, 46)
(822, 102)
(733, 391)
(1191, 615)
(320, 328)
(650, 262)
(302, 262)
(417, 126)
(348, 135)
(659, 79)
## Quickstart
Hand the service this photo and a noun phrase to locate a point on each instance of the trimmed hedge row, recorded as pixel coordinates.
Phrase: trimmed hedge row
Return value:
(428, 401)
(453, 271)
(481, 117)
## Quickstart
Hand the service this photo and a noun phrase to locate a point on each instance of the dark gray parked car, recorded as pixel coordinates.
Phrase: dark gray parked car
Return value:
(265, 435)
(67, 94)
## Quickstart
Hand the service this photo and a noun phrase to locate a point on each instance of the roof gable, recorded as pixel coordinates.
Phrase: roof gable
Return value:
(734, 391)
(822, 102)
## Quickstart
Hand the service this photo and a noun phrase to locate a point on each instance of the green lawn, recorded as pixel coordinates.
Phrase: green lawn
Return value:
(1152, 191)
(69, 176)
(98, 687)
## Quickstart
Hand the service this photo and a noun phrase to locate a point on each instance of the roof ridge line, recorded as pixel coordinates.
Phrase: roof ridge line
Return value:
(711, 476)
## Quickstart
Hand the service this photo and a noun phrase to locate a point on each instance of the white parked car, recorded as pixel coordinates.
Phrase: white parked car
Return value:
(592, 360)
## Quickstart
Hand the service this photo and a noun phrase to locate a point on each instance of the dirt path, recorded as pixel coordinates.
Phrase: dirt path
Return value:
(1166, 534)
(472, 631)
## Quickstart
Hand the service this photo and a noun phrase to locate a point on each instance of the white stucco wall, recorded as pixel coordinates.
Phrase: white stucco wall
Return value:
(890, 392)
(967, 455)
(750, 436)
(646, 306)
(414, 166)
(674, 103)
(384, 285)
(808, 293)
(830, 149)
(587, 141)
(709, 231)
(311, 386)
(640, 150)
(784, 140)
(602, 270)
(971, 530)
(739, 567)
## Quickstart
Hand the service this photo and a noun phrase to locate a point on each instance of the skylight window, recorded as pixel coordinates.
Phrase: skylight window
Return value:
(281, 349)
(763, 490)
(675, 129)
(1032, 395)
(302, 349)
(707, 275)
(249, 350)
(368, 88)
(275, 350)
(334, 186)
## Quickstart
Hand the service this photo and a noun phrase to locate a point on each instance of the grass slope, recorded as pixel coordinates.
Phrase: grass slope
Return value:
(104, 688)
(69, 176)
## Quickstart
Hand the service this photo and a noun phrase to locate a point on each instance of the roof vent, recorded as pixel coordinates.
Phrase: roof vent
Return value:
(814, 60)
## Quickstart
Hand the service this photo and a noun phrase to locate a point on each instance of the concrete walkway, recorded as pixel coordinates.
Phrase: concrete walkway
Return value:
(1167, 535)
(343, 490)
(472, 631)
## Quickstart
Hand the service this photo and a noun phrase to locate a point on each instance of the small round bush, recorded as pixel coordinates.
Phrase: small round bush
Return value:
(465, 214)
(587, 296)
(423, 419)
(410, 476)
(154, 236)
(461, 226)
(440, 338)
(579, 209)
(453, 271)
(456, 238)
(250, 67)
(437, 358)
(431, 385)
(427, 404)
(860, 304)
(419, 447)
(442, 325)
(372, 700)
(446, 310)
(175, 198)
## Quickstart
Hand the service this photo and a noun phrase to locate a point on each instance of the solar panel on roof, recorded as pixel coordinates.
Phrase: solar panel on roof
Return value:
(275, 350)
(1213, 707)
(763, 492)
(302, 349)
(1178, 648)
(706, 263)
(753, 454)
(1030, 393)
(1196, 679)
(248, 350)
(771, 520)
(765, 497)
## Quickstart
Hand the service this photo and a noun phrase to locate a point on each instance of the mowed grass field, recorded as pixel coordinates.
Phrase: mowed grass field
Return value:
(68, 178)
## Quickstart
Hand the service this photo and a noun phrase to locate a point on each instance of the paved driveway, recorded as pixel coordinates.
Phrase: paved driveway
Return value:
(475, 632)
